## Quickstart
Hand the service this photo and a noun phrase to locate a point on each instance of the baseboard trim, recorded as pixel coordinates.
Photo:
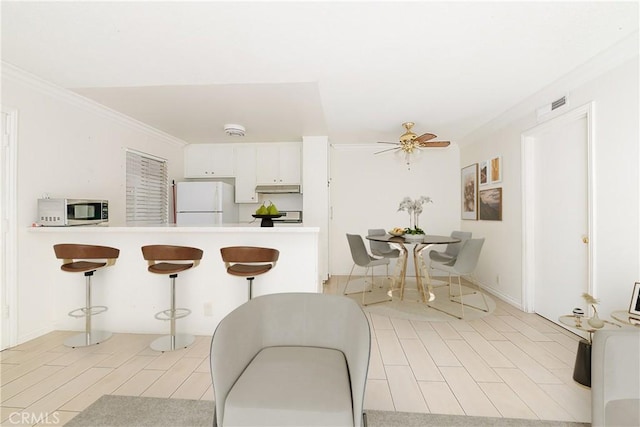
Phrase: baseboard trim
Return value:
(33, 335)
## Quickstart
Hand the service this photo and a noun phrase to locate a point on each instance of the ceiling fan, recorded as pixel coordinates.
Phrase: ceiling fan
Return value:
(410, 142)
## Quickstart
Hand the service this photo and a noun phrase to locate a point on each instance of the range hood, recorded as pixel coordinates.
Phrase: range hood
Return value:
(277, 189)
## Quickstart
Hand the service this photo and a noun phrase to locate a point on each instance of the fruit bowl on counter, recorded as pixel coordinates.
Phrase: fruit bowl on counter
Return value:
(267, 220)
(267, 213)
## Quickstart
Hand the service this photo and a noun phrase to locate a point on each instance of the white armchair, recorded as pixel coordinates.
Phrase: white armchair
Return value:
(615, 378)
(291, 359)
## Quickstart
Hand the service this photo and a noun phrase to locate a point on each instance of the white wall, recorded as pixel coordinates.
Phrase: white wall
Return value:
(366, 189)
(315, 152)
(68, 146)
(617, 179)
(501, 253)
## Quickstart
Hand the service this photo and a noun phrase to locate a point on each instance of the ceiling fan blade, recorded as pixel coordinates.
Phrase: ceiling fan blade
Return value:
(388, 149)
(425, 137)
(385, 142)
(435, 144)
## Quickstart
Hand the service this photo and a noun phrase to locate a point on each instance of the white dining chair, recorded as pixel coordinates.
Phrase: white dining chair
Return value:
(362, 258)
(382, 249)
(464, 265)
(448, 255)
(451, 251)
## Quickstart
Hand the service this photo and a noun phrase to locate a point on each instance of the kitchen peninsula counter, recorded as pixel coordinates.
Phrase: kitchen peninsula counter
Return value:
(134, 295)
(243, 227)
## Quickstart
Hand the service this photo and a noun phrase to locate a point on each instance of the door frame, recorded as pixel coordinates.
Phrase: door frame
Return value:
(528, 137)
(8, 204)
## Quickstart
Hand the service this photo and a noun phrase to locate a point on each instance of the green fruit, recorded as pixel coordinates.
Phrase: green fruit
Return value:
(262, 210)
(272, 210)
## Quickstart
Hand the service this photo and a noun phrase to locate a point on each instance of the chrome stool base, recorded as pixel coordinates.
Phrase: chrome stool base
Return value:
(172, 342)
(86, 339)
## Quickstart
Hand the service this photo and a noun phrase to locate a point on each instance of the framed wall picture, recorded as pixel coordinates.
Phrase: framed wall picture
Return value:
(495, 170)
(490, 202)
(634, 306)
(470, 192)
(484, 173)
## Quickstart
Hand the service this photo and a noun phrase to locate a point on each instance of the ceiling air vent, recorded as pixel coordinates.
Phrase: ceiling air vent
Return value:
(558, 103)
(546, 109)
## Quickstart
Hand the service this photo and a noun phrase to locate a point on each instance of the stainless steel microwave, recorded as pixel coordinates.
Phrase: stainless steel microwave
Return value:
(65, 212)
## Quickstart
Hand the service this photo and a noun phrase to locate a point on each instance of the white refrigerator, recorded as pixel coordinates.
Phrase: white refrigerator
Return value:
(205, 203)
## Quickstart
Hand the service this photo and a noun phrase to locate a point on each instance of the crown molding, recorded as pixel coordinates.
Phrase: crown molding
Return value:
(356, 147)
(13, 73)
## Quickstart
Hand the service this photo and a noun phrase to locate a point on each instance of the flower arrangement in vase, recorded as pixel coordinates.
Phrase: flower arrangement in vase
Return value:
(594, 321)
(414, 208)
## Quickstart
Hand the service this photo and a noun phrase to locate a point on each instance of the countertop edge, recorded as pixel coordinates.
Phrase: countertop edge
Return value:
(241, 228)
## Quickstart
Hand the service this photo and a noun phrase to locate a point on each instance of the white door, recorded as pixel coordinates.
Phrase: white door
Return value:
(8, 232)
(4, 303)
(557, 212)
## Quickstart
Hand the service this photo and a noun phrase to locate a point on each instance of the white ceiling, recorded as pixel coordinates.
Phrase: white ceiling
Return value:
(351, 70)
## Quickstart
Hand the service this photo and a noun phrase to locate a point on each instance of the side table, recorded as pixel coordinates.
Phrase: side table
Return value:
(582, 366)
(624, 317)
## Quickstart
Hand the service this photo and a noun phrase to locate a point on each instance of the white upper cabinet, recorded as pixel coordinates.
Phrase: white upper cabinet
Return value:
(250, 164)
(246, 174)
(208, 161)
(278, 163)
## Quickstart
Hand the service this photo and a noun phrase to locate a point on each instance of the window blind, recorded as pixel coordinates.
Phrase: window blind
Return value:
(147, 189)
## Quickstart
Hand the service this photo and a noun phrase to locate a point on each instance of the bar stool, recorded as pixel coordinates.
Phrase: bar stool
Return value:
(249, 261)
(156, 256)
(77, 258)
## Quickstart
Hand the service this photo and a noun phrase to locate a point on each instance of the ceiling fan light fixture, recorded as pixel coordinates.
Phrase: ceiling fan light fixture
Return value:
(408, 136)
(234, 130)
(410, 144)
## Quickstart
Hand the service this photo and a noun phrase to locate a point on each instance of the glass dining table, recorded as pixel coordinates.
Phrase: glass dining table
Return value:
(419, 245)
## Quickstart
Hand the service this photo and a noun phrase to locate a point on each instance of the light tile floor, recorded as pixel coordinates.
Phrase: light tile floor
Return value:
(507, 364)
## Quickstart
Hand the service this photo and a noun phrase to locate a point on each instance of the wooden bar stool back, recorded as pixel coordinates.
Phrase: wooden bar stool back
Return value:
(79, 258)
(249, 261)
(171, 260)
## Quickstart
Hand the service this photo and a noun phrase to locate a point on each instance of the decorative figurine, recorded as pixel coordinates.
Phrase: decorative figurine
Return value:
(578, 313)
(595, 320)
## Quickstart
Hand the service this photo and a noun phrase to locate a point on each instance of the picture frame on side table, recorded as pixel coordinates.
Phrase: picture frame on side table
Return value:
(469, 196)
(634, 305)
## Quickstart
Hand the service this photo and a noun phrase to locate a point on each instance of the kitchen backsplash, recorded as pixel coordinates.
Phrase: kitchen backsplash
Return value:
(285, 202)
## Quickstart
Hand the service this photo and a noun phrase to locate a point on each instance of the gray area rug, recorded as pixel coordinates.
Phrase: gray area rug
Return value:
(412, 307)
(151, 411)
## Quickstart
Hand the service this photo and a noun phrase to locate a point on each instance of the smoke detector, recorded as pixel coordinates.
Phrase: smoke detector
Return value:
(234, 130)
